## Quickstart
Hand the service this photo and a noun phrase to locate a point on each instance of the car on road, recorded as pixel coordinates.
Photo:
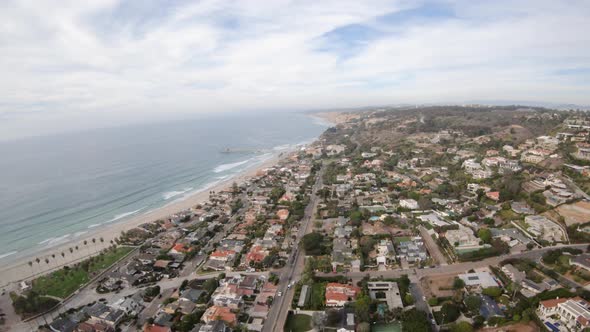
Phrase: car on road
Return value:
(279, 294)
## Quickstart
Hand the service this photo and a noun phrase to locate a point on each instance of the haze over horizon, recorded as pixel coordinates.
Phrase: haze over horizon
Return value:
(89, 64)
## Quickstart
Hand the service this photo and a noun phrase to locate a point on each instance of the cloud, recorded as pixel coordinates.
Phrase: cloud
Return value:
(92, 63)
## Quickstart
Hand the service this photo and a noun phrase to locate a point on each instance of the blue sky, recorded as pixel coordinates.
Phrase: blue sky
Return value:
(96, 63)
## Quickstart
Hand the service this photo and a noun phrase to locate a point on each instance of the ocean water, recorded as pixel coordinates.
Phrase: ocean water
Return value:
(54, 189)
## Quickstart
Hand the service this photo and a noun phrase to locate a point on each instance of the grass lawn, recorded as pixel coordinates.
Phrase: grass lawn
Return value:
(318, 295)
(64, 282)
(397, 240)
(298, 323)
(508, 215)
(392, 327)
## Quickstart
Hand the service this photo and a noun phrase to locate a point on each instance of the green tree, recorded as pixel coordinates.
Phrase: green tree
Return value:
(312, 243)
(276, 193)
(551, 256)
(362, 308)
(356, 217)
(458, 283)
(414, 320)
(485, 235)
(449, 312)
(461, 327)
(210, 285)
(389, 221)
(492, 291)
(472, 303)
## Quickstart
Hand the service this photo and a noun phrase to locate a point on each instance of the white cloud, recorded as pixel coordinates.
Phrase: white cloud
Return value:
(93, 63)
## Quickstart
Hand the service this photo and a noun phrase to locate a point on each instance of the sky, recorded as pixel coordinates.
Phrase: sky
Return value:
(96, 63)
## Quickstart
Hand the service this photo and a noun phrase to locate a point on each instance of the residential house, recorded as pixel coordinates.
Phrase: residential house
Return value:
(412, 251)
(225, 314)
(463, 239)
(581, 261)
(408, 204)
(574, 313)
(103, 313)
(337, 295)
(513, 273)
(478, 279)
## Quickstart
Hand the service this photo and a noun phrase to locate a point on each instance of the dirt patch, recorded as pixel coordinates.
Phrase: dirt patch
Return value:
(577, 213)
(515, 133)
(438, 286)
(519, 327)
(551, 163)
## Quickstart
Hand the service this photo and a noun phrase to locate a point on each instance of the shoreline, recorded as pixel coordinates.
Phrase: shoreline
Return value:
(20, 268)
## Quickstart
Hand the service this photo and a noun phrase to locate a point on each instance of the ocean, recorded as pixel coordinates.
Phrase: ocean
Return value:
(57, 188)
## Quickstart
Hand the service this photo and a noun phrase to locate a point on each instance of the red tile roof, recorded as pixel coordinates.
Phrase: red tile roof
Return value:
(336, 296)
(222, 253)
(156, 328)
(181, 248)
(553, 302)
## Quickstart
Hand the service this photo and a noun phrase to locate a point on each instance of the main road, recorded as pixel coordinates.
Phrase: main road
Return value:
(457, 268)
(277, 316)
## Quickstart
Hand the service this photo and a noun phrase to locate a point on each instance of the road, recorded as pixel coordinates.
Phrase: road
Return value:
(454, 268)
(277, 315)
(152, 309)
(573, 185)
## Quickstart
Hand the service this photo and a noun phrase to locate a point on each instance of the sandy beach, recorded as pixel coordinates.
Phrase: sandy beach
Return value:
(22, 270)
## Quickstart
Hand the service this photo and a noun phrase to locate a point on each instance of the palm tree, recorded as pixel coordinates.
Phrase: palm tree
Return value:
(31, 266)
(86, 243)
(71, 250)
(63, 255)
(37, 260)
(47, 261)
(76, 248)
(101, 240)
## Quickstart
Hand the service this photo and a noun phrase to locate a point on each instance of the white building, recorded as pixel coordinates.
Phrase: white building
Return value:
(470, 165)
(572, 312)
(408, 204)
(481, 279)
(463, 239)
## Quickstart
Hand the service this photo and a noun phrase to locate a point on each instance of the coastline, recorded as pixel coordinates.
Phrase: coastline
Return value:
(20, 269)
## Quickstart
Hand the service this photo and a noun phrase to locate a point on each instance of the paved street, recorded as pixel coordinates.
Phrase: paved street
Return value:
(455, 268)
(277, 315)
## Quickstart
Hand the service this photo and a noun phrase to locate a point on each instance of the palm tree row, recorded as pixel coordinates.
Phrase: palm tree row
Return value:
(71, 250)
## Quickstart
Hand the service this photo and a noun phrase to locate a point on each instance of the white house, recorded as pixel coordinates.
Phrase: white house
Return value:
(408, 204)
